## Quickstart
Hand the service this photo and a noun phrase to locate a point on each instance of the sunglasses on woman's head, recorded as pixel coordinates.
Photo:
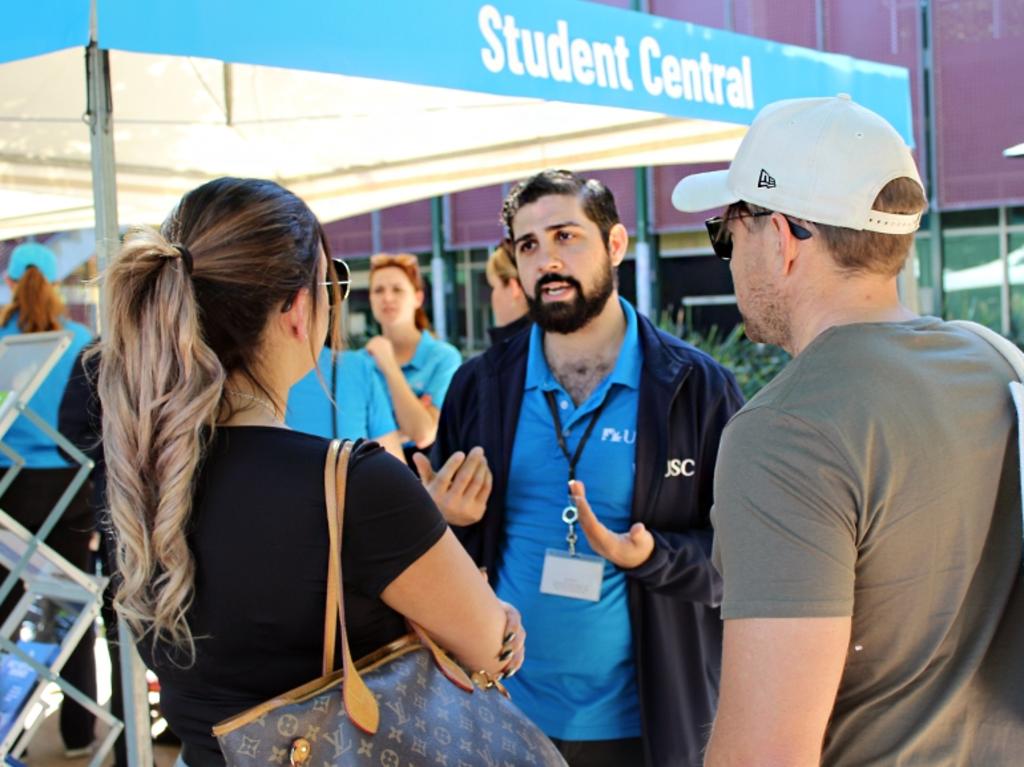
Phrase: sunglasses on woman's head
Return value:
(342, 278)
(721, 237)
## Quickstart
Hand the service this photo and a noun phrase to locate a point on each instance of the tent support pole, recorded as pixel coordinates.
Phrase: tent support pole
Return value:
(646, 269)
(931, 155)
(438, 271)
(101, 136)
(100, 118)
(645, 274)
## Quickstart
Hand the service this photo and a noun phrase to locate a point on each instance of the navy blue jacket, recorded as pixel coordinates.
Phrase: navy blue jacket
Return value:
(685, 400)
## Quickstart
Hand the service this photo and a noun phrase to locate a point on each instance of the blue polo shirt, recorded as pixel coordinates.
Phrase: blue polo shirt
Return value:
(363, 405)
(38, 450)
(430, 370)
(579, 680)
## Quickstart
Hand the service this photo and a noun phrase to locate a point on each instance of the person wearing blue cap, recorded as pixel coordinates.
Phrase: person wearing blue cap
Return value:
(36, 307)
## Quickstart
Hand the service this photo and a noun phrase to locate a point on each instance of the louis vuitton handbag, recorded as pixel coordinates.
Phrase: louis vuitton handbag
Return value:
(408, 704)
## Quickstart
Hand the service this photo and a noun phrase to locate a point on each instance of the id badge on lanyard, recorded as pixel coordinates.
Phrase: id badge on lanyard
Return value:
(569, 573)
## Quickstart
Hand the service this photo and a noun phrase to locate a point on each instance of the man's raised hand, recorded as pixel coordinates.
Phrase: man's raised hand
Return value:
(626, 550)
(461, 487)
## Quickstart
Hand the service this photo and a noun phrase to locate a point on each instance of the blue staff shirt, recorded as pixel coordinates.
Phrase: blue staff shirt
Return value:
(363, 405)
(430, 370)
(579, 682)
(38, 450)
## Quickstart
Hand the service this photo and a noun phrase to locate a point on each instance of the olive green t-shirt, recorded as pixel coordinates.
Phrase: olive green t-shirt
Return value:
(877, 477)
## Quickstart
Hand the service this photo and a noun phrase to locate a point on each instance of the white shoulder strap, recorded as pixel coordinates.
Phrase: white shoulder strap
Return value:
(1015, 357)
(1009, 350)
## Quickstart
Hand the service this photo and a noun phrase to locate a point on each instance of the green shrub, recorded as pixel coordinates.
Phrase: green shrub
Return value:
(753, 364)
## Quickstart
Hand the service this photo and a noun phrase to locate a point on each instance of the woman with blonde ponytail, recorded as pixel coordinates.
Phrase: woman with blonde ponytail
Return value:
(218, 508)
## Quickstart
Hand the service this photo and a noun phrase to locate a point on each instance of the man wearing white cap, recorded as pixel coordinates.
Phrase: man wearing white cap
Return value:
(867, 502)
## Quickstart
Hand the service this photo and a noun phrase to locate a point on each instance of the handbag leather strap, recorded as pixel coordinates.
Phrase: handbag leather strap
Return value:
(333, 579)
(360, 704)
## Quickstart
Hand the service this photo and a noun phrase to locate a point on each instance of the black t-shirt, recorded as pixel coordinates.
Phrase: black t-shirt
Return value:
(259, 537)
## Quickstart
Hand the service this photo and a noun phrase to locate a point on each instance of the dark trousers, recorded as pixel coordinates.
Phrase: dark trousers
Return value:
(627, 752)
(29, 500)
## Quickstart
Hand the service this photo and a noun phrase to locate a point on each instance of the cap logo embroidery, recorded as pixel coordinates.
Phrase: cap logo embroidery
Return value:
(765, 181)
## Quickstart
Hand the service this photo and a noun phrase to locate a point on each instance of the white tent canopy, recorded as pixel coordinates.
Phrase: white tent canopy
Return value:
(359, 106)
(347, 145)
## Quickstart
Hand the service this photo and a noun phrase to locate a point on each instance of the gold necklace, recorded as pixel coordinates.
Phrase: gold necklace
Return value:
(261, 401)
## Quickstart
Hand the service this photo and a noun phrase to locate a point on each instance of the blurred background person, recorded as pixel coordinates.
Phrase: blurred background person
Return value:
(508, 301)
(342, 397)
(415, 366)
(36, 307)
(361, 407)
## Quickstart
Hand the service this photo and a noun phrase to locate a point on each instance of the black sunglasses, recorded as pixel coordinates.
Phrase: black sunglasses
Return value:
(342, 278)
(721, 238)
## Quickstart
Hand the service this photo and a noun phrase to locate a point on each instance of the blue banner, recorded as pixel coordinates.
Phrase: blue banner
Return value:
(560, 50)
(34, 27)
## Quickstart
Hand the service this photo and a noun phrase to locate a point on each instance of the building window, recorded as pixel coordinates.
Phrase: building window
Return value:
(473, 300)
(1015, 257)
(696, 291)
(972, 276)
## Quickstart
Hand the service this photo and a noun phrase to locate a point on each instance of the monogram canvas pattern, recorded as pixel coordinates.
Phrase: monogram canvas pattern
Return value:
(425, 720)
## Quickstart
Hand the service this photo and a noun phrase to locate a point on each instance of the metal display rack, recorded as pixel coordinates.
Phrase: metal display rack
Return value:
(25, 361)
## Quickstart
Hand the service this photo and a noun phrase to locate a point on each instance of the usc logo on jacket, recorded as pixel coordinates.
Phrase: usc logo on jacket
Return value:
(680, 467)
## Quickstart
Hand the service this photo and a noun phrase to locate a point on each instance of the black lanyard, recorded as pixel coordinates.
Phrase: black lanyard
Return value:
(575, 458)
(570, 514)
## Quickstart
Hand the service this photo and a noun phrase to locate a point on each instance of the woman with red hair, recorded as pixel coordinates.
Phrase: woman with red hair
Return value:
(416, 367)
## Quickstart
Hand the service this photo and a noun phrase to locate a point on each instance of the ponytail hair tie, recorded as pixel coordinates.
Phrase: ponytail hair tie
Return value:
(186, 257)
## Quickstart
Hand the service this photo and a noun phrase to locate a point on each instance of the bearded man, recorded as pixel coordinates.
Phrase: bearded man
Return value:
(601, 433)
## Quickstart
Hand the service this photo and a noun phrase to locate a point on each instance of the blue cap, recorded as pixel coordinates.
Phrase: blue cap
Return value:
(32, 254)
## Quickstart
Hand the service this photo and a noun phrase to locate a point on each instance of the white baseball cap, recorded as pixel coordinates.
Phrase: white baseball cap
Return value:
(822, 160)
